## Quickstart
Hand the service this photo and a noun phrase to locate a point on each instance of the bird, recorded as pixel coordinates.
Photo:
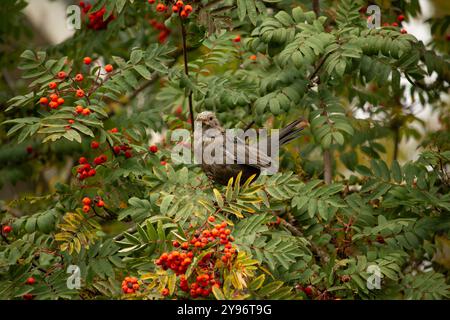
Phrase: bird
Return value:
(223, 171)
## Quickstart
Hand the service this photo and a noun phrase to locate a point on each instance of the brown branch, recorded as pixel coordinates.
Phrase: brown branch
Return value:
(316, 7)
(186, 71)
(327, 166)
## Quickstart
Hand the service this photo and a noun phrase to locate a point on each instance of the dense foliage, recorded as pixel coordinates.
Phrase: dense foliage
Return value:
(78, 128)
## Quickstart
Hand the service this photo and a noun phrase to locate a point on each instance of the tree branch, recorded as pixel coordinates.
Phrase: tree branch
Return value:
(186, 71)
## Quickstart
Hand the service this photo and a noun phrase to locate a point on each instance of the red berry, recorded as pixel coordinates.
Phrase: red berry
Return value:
(87, 60)
(28, 296)
(179, 4)
(30, 281)
(92, 172)
(54, 97)
(29, 149)
(79, 109)
(394, 24)
(79, 77)
(86, 112)
(176, 244)
(53, 105)
(100, 203)
(252, 57)
(86, 201)
(114, 130)
(7, 229)
(82, 160)
(109, 68)
(175, 9)
(308, 290)
(52, 85)
(153, 149)
(237, 39)
(60, 101)
(80, 93)
(188, 8)
(43, 101)
(163, 163)
(403, 31)
(95, 144)
(160, 7)
(165, 292)
(86, 209)
(211, 219)
(184, 14)
(128, 154)
(400, 18)
(62, 75)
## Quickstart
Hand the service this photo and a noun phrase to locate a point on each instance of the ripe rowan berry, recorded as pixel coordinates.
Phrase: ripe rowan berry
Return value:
(161, 7)
(308, 290)
(80, 93)
(394, 24)
(175, 9)
(151, 1)
(114, 130)
(92, 172)
(403, 31)
(109, 68)
(79, 77)
(165, 292)
(175, 243)
(116, 149)
(71, 121)
(43, 100)
(60, 101)
(7, 229)
(79, 109)
(400, 18)
(30, 281)
(253, 57)
(86, 209)
(86, 201)
(100, 203)
(188, 8)
(237, 38)
(163, 163)
(128, 154)
(184, 14)
(28, 296)
(52, 85)
(211, 219)
(53, 105)
(95, 144)
(153, 149)
(54, 97)
(82, 160)
(87, 60)
(179, 4)
(86, 112)
(62, 75)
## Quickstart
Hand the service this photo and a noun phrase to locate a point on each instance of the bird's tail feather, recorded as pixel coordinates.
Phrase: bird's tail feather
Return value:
(292, 131)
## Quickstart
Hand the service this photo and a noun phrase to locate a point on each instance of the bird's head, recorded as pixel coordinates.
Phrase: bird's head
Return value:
(208, 120)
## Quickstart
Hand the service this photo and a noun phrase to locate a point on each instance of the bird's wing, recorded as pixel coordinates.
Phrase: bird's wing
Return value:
(254, 156)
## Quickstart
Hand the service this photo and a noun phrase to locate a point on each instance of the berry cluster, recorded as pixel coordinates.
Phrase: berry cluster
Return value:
(130, 285)
(85, 170)
(218, 240)
(178, 7)
(164, 32)
(125, 149)
(175, 260)
(96, 21)
(87, 202)
(202, 287)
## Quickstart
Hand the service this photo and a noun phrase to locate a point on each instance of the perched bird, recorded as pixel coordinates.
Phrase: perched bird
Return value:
(210, 129)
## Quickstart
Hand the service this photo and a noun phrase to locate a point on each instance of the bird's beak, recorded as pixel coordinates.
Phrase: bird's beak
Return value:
(303, 124)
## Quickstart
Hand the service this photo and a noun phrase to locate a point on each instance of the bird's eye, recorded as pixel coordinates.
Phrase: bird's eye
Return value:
(210, 118)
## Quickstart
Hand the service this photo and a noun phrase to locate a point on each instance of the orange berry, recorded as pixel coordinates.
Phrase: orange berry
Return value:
(54, 97)
(62, 75)
(252, 57)
(52, 85)
(60, 101)
(237, 39)
(87, 60)
(79, 77)
(79, 109)
(175, 9)
(86, 209)
(179, 4)
(161, 7)
(86, 201)
(86, 112)
(184, 14)
(211, 219)
(188, 8)
(165, 292)
(53, 105)
(43, 100)
(109, 68)
(80, 93)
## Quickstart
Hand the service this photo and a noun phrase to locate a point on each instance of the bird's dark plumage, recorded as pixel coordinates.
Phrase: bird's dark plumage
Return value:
(221, 173)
